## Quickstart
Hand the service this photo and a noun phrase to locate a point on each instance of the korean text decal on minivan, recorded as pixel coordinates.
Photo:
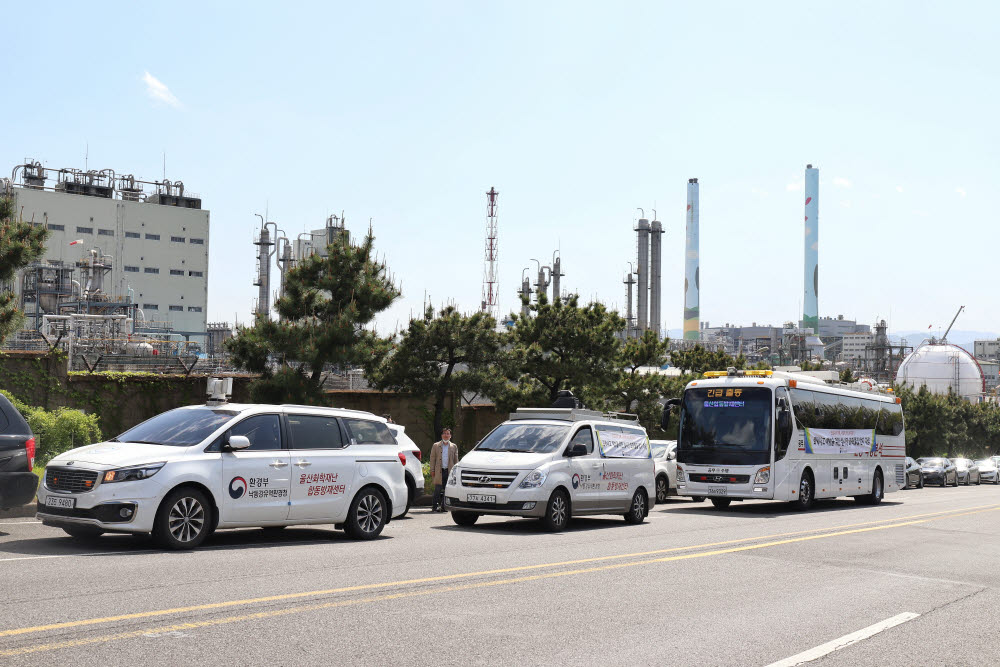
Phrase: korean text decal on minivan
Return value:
(623, 445)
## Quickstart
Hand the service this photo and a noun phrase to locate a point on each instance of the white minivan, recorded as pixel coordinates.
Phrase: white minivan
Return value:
(186, 472)
(553, 464)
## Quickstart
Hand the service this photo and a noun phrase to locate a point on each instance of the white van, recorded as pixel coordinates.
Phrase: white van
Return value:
(186, 472)
(554, 464)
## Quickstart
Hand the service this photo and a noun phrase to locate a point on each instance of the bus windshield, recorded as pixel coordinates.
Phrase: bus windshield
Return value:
(725, 426)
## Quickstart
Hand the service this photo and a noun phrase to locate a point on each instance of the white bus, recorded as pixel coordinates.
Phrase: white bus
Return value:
(781, 436)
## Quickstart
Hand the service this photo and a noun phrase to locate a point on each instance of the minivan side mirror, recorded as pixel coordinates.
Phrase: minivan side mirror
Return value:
(237, 443)
(672, 455)
(576, 450)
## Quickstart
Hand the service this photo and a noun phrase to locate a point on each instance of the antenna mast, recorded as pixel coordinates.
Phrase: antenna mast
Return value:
(489, 304)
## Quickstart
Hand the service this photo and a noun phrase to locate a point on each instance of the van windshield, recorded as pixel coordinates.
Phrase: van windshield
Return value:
(534, 438)
(178, 428)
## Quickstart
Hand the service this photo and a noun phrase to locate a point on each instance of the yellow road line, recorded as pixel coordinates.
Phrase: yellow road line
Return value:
(193, 625)
(448, 577)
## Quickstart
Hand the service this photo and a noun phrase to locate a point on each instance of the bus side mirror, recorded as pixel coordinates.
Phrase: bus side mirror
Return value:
(667, 408)
(783, 420)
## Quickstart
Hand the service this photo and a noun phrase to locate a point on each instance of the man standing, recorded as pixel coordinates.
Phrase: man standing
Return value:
(444, 455)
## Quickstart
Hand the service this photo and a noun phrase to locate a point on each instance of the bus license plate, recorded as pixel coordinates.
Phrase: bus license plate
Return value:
(54, 501)
(717, 491)
(479, 498)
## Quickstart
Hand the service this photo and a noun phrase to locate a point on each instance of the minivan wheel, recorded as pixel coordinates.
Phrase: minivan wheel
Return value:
(637, 510)
(464, 518)
(184, 519)
(367, 515)
(807, 492)
(411, 492)
(557, 511)
(662, 489)
(83, 532)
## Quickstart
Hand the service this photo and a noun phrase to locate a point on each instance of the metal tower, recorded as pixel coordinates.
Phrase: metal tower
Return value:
(490, 305)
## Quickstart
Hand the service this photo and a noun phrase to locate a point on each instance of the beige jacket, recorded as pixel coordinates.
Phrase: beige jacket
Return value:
(436, 463)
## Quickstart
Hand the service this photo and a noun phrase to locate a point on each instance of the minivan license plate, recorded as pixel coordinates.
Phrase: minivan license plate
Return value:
(717, 490)
(55, 501)
(479, 498)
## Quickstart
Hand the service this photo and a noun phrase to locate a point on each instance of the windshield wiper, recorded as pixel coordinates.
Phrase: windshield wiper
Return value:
(485, 449)
(145, 442)
(114, 440)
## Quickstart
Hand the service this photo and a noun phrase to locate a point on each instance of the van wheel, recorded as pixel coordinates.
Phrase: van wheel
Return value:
(697, 499)
(721, 503)
(184, 519)
(662, 489)
(807, 492)
(637, 511)
(557, 511)
(411, 492)
(367, 515)
(464, 518)
(878, 491)
(83, 532)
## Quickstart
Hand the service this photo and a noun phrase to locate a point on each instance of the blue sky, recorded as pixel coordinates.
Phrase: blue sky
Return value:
(578, 113)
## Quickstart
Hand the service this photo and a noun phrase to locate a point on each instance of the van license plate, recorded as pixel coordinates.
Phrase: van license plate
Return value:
(717, 491)
(479, 498)
(55, 501)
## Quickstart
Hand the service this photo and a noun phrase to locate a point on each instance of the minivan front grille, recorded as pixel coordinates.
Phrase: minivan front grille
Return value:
(491, 479)
(70, 479)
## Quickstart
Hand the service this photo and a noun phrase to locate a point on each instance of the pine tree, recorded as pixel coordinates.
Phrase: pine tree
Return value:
(327, 304)
(20, 244)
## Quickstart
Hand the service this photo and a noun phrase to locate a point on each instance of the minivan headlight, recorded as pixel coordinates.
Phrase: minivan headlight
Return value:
(132, 474)
(763, 475)
(534, 479)
(453, 477)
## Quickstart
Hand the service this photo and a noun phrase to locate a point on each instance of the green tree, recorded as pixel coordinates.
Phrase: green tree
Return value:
(634, 387)
(327, 304)
(557, 346)
(438, 355)
(846, 376)
(20, 244)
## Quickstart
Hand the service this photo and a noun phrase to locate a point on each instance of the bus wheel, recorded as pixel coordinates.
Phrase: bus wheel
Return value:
(807, 492)
(878, 491)
(721, 503)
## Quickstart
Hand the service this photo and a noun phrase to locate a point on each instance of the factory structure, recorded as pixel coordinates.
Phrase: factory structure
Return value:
(126, 259)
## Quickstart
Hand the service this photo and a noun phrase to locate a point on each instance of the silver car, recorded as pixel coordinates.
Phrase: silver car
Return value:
(665, 461)
(988, 471)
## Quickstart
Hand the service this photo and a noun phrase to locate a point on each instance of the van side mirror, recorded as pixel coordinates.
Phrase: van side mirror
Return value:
(576, 450)
(237, 443)
(667, 409)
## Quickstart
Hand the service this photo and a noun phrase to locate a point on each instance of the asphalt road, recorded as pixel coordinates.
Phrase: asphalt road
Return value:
(752, 585)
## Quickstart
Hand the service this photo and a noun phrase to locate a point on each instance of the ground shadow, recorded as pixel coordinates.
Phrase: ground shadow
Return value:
(530, 526)
(768, 509)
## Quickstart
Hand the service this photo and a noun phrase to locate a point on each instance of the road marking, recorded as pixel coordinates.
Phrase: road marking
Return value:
(846, 640)
(451, 577)
(403, 594)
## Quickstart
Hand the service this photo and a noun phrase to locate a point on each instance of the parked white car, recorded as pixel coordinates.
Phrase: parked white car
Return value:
(988, 471)
(189, 471)
(414, 474)
(553, 464)
(665, 460)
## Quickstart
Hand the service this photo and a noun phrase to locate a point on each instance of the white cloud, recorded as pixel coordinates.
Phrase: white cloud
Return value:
(158, 91)
(794, 187)
(961, 191)
(841, 182)
(899, 188)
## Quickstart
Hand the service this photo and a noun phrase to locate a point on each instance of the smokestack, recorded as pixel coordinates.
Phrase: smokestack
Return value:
(655, 272)
(643, 283)
(556, 275)
(629, 320)
(692, 285)
(264, 272)
(810, 304)
(525, 294)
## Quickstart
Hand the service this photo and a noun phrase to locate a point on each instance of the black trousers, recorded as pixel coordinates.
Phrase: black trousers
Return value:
(439, 490)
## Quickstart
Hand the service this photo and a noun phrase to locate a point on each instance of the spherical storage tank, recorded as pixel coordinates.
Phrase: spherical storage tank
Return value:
(941, 367)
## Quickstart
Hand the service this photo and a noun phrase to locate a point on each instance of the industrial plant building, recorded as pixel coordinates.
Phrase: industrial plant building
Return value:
(117, 245)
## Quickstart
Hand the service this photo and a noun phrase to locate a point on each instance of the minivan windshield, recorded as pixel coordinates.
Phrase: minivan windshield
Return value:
(725, 426)
(178, 428)
(534, 438)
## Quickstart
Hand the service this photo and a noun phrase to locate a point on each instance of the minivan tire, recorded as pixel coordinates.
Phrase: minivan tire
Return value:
(557, 511)
(637, 508)
(368, 514)
(83, 532)
(184, 519)
(464, 518)
(411, 492)
(662, 489)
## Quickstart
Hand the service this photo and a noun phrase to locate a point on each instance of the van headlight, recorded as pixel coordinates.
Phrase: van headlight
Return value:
(763, 475)
(453, 477)
(534, 479)
(132, 474)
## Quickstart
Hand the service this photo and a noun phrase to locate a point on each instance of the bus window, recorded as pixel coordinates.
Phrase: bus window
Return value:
(782, 436)
(804, 408)
(829, 410)
(890, 419)
(854, 412)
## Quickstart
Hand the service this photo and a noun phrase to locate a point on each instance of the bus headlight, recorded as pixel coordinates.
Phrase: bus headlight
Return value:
(763, 475)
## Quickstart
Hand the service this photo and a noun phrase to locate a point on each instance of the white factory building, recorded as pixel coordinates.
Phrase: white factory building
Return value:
(157, 237)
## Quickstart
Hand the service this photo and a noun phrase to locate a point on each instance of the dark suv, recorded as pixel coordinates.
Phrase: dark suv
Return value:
(17, 457)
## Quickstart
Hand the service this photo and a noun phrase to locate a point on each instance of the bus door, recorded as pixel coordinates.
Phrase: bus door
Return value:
(784, 431)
